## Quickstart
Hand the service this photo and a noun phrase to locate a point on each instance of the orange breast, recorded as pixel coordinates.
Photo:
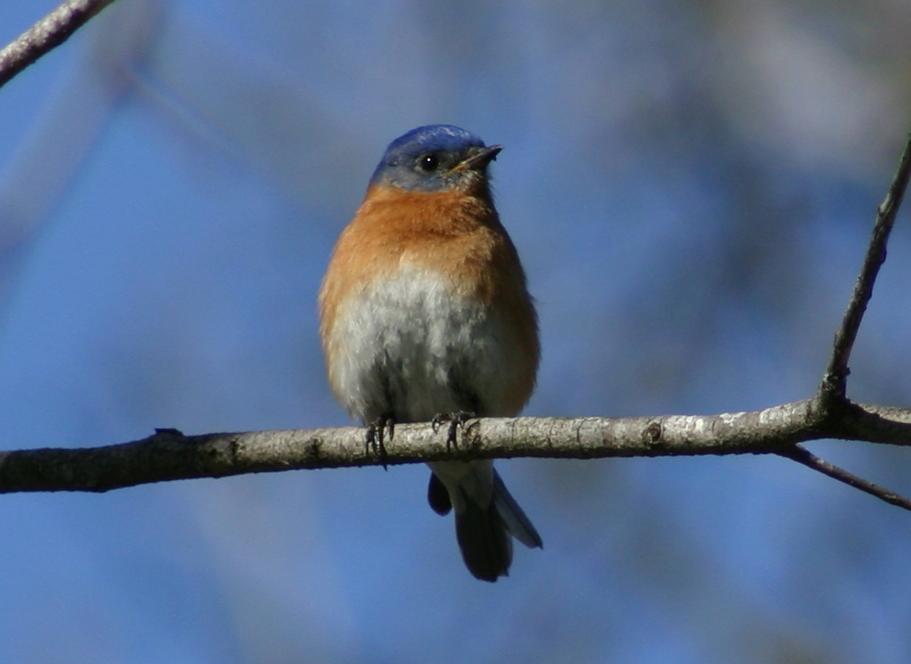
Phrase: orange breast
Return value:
(453, 234)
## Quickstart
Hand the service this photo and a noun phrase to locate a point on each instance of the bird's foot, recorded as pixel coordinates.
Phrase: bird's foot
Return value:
(455, 422)
(376, 437)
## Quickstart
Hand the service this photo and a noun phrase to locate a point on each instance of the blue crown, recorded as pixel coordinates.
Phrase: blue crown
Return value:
(446, 143)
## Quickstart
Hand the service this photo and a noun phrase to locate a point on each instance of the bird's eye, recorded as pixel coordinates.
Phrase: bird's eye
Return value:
(428, 163)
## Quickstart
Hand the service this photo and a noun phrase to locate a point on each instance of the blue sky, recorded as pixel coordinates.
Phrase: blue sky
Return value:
(691, 190)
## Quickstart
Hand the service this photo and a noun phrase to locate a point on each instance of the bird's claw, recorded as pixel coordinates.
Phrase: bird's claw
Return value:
(455, 421)
(376, 437)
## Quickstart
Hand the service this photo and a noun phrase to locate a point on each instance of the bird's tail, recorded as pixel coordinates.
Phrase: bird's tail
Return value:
(514, 518)
(485, 521)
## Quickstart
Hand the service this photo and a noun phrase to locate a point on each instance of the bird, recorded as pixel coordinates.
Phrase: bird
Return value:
(425, 315)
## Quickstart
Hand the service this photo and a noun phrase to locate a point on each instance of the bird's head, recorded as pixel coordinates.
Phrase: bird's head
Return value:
(435, 158)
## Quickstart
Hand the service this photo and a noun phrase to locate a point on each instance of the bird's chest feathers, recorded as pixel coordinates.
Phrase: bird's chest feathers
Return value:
(415, 345)
(418, 311)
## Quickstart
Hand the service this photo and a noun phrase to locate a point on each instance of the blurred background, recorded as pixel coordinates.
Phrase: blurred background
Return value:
(691, 186)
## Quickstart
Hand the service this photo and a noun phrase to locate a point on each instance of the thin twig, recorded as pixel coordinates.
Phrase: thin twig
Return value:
(810, 460)
(831, 400)
(834, 382)
(46, 34)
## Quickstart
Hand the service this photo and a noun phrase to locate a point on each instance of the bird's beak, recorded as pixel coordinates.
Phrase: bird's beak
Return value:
(478, 158)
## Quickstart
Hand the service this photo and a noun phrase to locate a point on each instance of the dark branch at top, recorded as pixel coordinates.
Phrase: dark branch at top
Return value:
(46, 34)
(834, 383)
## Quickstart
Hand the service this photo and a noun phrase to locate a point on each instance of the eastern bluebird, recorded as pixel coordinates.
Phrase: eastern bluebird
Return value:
(425, 315)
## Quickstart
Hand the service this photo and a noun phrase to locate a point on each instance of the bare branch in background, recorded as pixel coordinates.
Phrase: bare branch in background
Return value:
(35, 177)
(46, 34)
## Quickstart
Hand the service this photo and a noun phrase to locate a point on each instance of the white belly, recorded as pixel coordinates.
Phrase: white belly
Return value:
(410, 349)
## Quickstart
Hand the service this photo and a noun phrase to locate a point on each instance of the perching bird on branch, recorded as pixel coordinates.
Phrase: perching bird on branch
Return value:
(425, 315)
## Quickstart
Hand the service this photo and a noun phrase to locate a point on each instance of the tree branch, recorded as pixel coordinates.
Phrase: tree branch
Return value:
(46, 34)
(170, 455)
(834, 383)
(831, 397)
(800, 455)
